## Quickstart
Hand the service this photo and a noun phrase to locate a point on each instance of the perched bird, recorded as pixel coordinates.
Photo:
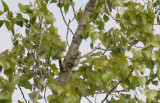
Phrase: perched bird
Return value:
(59, 55)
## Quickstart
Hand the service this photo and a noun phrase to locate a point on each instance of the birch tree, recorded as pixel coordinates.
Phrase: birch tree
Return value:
(107, 69)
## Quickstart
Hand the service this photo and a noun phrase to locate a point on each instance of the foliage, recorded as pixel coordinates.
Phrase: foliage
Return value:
(29, 63)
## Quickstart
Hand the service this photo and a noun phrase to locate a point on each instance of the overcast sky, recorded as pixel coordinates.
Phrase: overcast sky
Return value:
(5, 36)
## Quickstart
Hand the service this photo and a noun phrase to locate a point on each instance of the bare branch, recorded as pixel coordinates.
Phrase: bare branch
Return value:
(39, 90)
(119, 91)
(75, 14)
(48, 63)
(107, 48)
(96, 98)
(111, 91)
(38, 64)
(94, 49)
(67, 33)
(45, 88)
(110, 12)
(22, 94)
(88, 99)
(64, 18)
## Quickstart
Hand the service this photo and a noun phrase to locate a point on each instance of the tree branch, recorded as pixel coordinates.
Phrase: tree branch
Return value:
(22, 93)
(72, 55)
(39, 90)
(45, 88)
(65, 19)
(110, 12)
(111, 91)
(96, 98)
(88, 99)
(94, 49)
(38, 64)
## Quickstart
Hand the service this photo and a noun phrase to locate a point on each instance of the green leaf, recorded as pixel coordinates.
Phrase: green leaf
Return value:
(58, 89)
(144, 18)
(5, 6)
(4, 64)
(24, 8)
(19, 23)
(151, 14)
(107, 77)
(79, 15)
(100, 10)
(136, 52)
(150, 94)
(101, 25)
(33, 95)
(66, 8)
(94, 36)
(118, 2)
(123, 74)
(8, 72)
(33, 20)
(91, 45)
(63, 45)
(125, 96)
(15, 79)
(142, 80)
(155, 83)
(85, 35)
(5, 100)
(19, 20)
(89, 27)
(1, 23)
(8, 25)
(19, 17)
(50, 18)
(100, 64)
(148, 28)
(53, 1)
(118, 16)
(105, 18)
(1, 12)
(24, 81)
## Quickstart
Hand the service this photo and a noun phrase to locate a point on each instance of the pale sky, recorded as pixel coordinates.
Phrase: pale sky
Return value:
(5, 37)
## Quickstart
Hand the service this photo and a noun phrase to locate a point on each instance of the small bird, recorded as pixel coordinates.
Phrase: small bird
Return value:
(59, 55)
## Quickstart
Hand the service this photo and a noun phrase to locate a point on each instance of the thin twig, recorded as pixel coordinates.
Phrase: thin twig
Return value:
(64, 18)
(94, 49)
(34, 79)
(38, 64)
(107, 48)
(111, 91)
(110, 12)
(45, 88)
(67, 37)
(96, 98)
(48, 62)
(74, 12)
(100, 48)
(88, 99)
(22, 94)
(119, 91)
(67, 33)
(39, 90)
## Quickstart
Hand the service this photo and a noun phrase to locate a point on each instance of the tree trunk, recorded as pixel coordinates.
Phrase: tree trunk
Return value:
(70, 61)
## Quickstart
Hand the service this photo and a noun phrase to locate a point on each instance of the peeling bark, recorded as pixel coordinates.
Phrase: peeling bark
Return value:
(73, 54)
